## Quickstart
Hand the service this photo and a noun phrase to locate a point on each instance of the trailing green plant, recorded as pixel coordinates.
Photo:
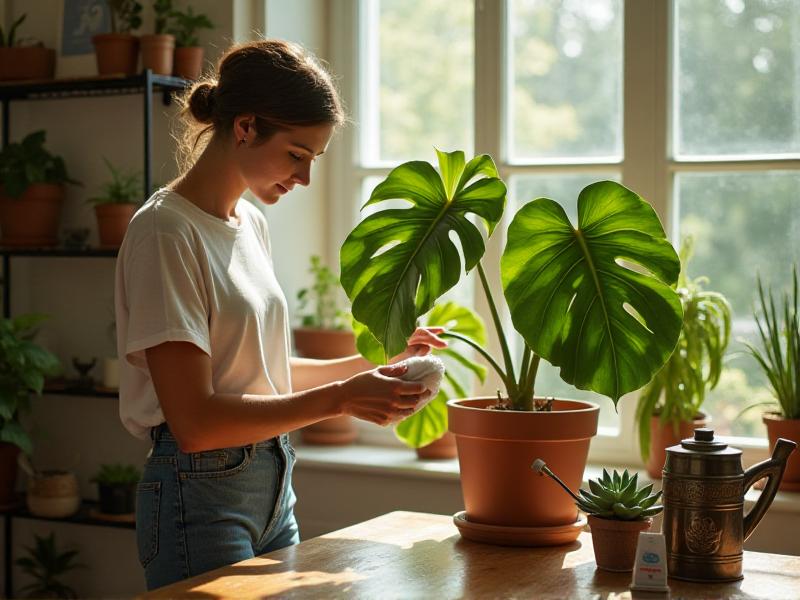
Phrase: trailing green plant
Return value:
(678, 390)
(608, 327)
(162, 9)
(23, 368)
(125, 187)
(126, 15)
(322, 294)
(46, 564)
(618, 497)
(117, 474)
(27, 162)
(779, 354)
(185, 26)
(9, 40)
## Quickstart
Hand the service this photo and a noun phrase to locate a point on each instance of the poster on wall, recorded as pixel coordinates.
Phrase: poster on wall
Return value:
(80, 20)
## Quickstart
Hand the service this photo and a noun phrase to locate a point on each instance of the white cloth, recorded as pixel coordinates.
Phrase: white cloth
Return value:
(185, 275)
(427, 369)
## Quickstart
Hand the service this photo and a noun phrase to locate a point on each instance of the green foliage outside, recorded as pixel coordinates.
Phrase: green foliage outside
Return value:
(126, 15)
(184, 26)
(618, 497)
(124, 187)
(27, 162)
(117, 474)
(322, 294)
(46, 565)
(23, 368)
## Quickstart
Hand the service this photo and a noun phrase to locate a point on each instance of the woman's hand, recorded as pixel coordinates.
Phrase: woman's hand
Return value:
(421, 342)
(378, 396)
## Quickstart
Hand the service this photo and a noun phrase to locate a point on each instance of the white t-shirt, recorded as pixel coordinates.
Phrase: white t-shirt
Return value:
(185, 275)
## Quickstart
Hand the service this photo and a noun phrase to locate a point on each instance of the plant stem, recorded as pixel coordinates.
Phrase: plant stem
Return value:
(480, 350)
(511, 385)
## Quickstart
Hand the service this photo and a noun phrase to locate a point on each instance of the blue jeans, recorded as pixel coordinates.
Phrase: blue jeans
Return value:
(202, 510)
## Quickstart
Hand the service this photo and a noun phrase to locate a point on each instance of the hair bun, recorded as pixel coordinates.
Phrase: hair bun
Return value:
(201, 101)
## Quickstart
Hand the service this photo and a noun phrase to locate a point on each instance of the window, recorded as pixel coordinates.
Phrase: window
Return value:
(695, 105)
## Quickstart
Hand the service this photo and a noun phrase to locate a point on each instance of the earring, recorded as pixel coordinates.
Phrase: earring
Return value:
(243, 141)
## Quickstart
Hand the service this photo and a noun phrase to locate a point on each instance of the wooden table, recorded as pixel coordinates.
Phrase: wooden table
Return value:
(420, 555)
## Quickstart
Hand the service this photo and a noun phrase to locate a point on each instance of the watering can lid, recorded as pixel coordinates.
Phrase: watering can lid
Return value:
(703, 441)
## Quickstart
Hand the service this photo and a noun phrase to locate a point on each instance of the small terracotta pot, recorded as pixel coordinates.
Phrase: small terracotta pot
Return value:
(778, 427)
(663, 437)
(53, 494)
(188, 62)
(157, 53)
(615, 542)
(32, 219)
(312, 342)
(333, 432)
(112, 222)
(444, 447)
(32, 62)
(117, 53)
(8, 473)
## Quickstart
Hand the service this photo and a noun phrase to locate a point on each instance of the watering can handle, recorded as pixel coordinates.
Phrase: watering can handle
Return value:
(773, 469)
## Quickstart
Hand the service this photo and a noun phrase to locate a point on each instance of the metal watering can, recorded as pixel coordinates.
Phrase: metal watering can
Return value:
(704, 521)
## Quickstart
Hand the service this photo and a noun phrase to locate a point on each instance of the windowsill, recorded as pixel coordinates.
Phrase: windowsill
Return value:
(382, 460)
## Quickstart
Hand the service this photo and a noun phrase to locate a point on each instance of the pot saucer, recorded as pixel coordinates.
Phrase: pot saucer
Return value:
(518, 536)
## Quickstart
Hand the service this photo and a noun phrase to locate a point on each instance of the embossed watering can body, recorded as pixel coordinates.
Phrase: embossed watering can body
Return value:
(704, 521)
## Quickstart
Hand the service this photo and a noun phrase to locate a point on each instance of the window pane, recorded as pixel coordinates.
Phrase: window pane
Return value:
(565, 61)
(742, 224)
(737, 77)
(418, 62)
(564, 189)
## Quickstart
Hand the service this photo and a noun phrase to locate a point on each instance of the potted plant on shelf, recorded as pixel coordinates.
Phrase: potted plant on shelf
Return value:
(31, 192)
(779, 359)
(115, 208)
(668, 409)
(116, 486)
(22, 58)
(23, 367)
(324, 333)
(188, 51)
(609, 328)
(158, 48)
(45, 564)
(118, 52)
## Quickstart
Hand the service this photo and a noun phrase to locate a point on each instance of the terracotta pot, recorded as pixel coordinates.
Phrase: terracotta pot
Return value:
(663, 437)
(157, 53)
(32, 219)
(53, 494)
(8, 473)
(117, 53)
(32, 62)
(112, 222)
(334, 432)
(615, 542)
(495, 452)
(188, 62)
(324, 343)
(444, 447)
(778, 427)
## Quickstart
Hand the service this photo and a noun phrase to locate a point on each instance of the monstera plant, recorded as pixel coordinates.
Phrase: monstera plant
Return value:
(595, 299)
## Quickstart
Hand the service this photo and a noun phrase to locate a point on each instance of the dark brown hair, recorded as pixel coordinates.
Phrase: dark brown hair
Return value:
(279, 82)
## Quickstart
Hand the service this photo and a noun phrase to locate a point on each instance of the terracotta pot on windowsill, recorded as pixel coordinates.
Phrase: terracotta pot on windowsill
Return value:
(443, 448)
(663, 437)
(778, 427)
(615, 542)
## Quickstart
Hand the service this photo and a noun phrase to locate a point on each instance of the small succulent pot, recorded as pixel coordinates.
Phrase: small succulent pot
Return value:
(614, 542)
(118, 499)
(53, 494)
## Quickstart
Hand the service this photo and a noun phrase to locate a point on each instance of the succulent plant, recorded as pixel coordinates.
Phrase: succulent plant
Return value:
(618, 497)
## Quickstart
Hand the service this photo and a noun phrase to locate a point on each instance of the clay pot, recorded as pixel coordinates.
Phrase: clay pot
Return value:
(157, 53)
(495, 452)
(312, 342)
(615, 542)
(32, 62)
(188, 62)
(53, 494)
(663, 437)
(32, 219)
(778, 427)
(8, 473)
(444, 447)
(112, 222)
(117, 53)
(332, 432)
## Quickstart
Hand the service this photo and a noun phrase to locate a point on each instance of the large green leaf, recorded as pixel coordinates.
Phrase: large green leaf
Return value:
(609, 328)
(397, 262)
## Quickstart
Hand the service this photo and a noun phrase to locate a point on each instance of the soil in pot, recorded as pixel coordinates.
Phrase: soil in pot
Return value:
(663, 437)
(778, 427)
(32, 219)
(615, 542)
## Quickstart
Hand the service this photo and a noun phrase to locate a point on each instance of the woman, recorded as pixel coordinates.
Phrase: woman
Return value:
(203, 327)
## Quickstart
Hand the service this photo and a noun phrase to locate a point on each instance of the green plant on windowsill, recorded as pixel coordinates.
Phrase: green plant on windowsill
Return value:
(46, 564)
(326, 313)
(678, 390)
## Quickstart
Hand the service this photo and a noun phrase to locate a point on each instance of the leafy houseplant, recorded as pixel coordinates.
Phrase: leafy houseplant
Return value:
(23, 368)
(46, 564)
(779, 359)
(668, 408)
(188, 51)
(118, 52)
(115, 207)
(116, 485)
(22, 58)
(158, 48)
(609, 328)
(31, 193)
